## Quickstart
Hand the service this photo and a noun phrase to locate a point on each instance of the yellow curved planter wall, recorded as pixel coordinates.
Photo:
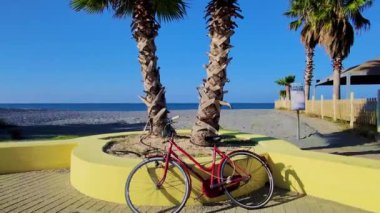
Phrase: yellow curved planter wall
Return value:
(347, 180)
(103, 176)
(29, 156)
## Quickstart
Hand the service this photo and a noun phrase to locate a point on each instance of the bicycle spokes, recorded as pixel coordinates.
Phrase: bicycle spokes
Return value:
(146, 186)
(251, 173)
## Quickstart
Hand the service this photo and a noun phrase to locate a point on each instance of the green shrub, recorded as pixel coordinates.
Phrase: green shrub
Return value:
(3, 124)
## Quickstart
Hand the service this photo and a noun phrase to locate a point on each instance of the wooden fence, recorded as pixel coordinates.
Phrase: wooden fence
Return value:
(356, 111)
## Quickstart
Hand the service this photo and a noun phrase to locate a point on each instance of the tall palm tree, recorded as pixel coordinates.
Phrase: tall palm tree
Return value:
(144, 29)
(337, 32)
(304, 11)
(219, 14)
(286, 81)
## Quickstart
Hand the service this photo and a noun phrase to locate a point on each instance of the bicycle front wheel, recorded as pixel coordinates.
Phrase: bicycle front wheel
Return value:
(255, 187)
(143, 192)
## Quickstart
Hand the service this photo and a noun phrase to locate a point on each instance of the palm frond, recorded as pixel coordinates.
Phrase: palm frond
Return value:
(290, 79)
(287, 80)
(294, 25)
(90, 6)
(123, 8)
(280, 82)
(165, 10)
(357, 5)
(337, 18)
(169, 10)
(359, 21)
(310, 36)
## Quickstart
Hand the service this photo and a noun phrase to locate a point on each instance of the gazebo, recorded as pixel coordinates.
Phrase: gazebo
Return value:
(363, 74)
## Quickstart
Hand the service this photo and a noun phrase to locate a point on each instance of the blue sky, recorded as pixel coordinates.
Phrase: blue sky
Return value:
(52, 54)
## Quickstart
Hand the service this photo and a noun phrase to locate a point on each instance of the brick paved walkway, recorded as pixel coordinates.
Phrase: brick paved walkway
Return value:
(50, 191)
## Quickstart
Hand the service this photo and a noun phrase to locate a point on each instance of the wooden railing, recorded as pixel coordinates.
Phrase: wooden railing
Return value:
(356, 111)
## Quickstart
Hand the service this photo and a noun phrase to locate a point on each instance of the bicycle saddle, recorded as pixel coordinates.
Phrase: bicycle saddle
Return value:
(213, 139)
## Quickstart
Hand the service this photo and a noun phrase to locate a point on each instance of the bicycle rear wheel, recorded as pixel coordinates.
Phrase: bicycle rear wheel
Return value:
(254, 192)
(142, 193)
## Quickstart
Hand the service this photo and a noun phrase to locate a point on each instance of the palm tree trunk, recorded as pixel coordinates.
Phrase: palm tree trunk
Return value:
(337, 65)
(287, 89)
(145, 29)
(221, 28)
(308, 71)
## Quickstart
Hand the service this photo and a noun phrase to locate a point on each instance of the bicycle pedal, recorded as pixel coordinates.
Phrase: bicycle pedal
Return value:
(228, 181)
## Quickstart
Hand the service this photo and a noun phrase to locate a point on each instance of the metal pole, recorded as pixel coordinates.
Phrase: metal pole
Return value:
(348, 83)
(352, 110)
(378, 111)
(298, 125)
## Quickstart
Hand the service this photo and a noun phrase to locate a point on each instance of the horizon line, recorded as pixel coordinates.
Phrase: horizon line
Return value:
(129, 103)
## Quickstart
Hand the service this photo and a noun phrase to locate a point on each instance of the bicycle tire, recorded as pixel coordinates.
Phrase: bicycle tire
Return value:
(173, 194)
(258, 190)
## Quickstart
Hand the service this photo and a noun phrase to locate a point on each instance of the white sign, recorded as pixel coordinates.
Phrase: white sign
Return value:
(297, 96)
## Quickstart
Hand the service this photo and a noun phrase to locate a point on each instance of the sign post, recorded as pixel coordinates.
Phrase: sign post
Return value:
(297, 102)
(378, 111)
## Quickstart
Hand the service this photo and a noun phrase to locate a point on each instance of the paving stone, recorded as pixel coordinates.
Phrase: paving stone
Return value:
(50, 191)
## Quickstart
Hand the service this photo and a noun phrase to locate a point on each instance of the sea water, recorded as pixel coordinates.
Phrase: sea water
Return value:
(123, 106)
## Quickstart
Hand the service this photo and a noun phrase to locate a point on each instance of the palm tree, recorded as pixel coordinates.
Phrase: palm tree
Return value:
(304, 11)
(282, 94)
(219, 14)
(286, 81)
(337, 32)
(144, 29)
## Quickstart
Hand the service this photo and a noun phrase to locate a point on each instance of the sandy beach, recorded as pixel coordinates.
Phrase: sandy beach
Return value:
(316, 134)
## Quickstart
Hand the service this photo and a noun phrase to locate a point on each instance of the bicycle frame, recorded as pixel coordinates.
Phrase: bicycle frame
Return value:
(211, 169)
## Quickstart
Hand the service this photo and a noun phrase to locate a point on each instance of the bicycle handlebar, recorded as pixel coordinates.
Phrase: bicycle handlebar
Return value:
(171, 120)
(169, 131)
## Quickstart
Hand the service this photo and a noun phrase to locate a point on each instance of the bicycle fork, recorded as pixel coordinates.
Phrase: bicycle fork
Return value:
(167, 158)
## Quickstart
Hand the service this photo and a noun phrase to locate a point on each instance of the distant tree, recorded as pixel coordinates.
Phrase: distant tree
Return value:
(3, 124)
(303, 11)
(144, 30)
(286, 81)
(220, 14)
(282, 94)
(337, 33)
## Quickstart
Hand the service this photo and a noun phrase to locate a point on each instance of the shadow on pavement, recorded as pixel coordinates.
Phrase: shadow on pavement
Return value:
(357, 153)
(280, 196)
(49, 131)
(340, 139)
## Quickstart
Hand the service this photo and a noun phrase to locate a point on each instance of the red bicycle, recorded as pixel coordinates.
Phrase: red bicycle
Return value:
(242, 175)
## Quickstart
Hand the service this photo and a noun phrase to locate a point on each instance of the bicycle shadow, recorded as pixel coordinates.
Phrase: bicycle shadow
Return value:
(286, 177)
(279, 197)
(290, 186)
